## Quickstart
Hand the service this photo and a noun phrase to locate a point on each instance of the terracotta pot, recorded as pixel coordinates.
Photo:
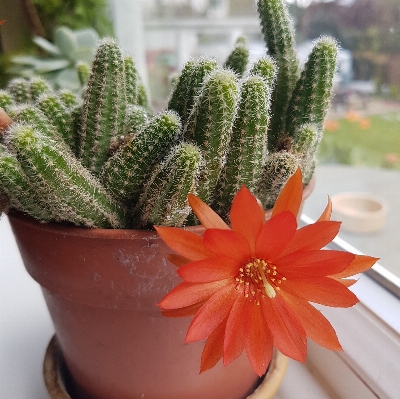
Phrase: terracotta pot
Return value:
(101, 288)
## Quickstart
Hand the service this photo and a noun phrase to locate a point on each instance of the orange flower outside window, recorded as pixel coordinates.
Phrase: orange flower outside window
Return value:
(249, 286)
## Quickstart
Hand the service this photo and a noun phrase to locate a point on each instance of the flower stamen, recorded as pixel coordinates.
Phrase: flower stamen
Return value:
(258, 278)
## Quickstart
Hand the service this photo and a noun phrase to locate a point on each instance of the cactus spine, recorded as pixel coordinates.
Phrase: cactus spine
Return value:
(210, 124)
(70, 191)
(125, 172)
(164, 200)
(104, 106)
(248, 146)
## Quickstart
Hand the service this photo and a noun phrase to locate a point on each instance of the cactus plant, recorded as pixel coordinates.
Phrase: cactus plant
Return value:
(106, 161)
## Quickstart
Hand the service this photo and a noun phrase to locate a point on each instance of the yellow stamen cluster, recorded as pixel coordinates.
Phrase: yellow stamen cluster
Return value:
(258, 279)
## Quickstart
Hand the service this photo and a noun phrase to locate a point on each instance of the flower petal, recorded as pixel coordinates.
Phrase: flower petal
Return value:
(313, 263)
(185, 243)
(291, 195)
(313, 236)
(211, 269)
(327, 213)
(227, 243)
(208, 218)
(323, 290)
(235, 330)
(246, 216)
(186, 294)
(360, 264)
(214, 348)
(317, 327)
(258, 338)
(289, 334)
(275, 236)
(212, 313)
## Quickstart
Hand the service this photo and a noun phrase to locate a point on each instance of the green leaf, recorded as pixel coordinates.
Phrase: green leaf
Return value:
(87, 38)
(25, 60)
(68, 79)
(21, 71)
(46, 45)
(83, 54)
(51, 65)
(66, 41)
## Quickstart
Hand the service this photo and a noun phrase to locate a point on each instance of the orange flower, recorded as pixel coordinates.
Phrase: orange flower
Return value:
(249, 286)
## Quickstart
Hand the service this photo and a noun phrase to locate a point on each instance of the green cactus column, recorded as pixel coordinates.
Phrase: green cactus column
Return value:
(124, 174)
(311, 96)
(239, 57)
(58, 115)
(83, 70)
(266, 68)
(38, 86)
(209, 126)
(68, 98)
(248, 146)
(277, 27)
(20, 192)
(164, 200)
(20, 90)
(132, 80)
(6, 100)
(304, 146)
(34, 117)
(189, 84)
(68, 189)
(104, 105)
